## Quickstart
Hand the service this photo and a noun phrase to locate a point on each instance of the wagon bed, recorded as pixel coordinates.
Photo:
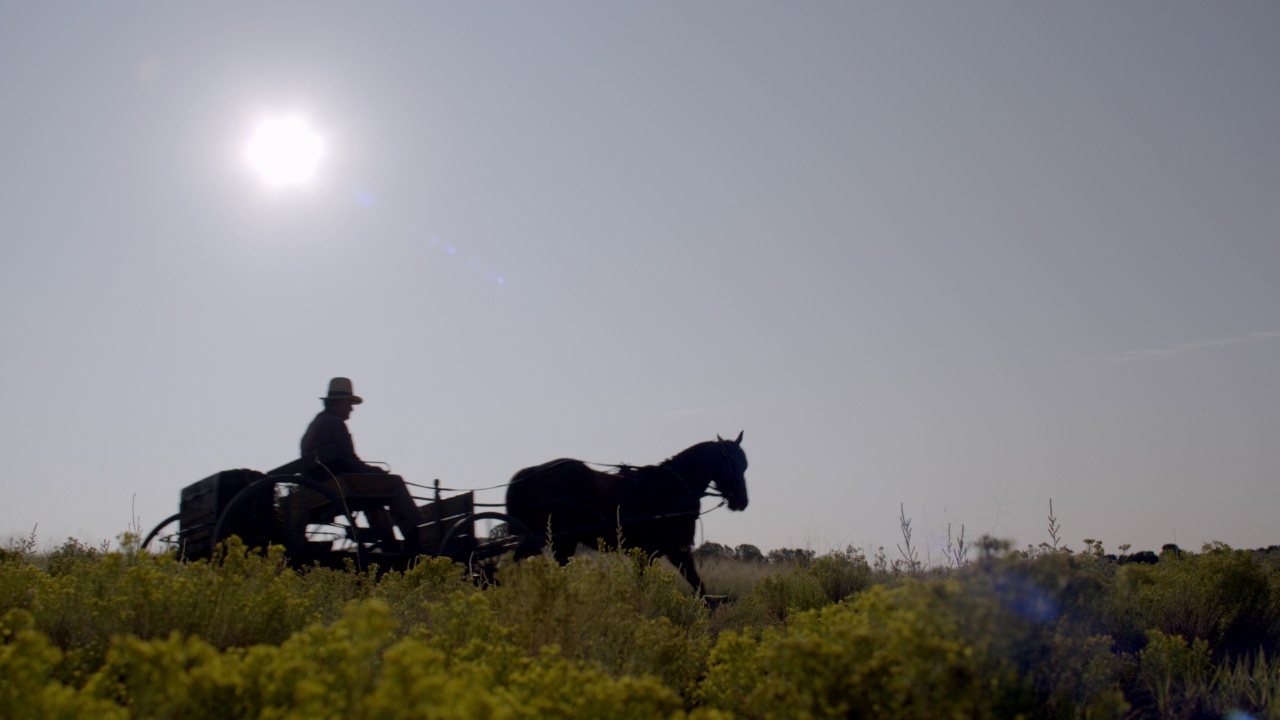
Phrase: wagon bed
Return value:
(360, 519)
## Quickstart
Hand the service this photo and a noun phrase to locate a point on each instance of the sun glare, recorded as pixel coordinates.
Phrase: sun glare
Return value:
(285, 151)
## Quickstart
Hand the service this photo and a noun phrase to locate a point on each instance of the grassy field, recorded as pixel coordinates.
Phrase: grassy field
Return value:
(1041, 632)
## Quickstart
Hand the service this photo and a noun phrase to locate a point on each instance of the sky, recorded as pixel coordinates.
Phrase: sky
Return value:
(954, 261)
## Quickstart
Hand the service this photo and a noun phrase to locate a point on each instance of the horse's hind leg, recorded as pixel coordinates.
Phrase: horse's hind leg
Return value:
(563, 549)
(683, 560)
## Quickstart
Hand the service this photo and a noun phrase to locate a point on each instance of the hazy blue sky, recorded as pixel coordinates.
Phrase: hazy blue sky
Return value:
(966, 257)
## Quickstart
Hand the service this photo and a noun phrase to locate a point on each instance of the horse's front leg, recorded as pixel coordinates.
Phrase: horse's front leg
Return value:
(683, 560)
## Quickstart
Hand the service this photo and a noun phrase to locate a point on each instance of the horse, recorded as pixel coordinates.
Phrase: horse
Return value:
(654, 508)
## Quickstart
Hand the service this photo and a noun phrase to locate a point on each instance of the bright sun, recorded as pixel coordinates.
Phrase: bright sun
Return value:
(285, 151)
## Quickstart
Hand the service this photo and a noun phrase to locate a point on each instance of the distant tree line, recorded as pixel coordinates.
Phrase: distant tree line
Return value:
(752, 554)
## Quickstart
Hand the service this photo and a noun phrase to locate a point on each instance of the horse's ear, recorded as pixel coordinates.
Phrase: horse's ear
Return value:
(718, 438)
(739, 440)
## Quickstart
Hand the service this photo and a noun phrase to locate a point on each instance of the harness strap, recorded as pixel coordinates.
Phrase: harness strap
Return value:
(512, 482)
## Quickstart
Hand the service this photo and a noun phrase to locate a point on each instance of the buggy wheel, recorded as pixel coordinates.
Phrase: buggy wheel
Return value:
(304, 516)
(460, 543)
(167, 533)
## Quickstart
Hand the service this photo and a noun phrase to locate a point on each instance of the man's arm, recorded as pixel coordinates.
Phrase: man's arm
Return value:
(334, 448)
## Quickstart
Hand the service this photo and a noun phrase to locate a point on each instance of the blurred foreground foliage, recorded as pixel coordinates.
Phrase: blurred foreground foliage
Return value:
(1048, 633)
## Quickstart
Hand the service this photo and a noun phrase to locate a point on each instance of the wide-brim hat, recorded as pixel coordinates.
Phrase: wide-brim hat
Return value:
(340, 389)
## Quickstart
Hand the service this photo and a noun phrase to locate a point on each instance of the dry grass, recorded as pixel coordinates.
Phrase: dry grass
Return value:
(735, 578)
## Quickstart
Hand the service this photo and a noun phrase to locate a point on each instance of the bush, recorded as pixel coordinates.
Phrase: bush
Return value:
(841, 574)
(1221, 596)
(1041, 615)
(733, 577)
(358, 667)
(1175, 674)
(889, 653)
(84, 632)
(813, 584)
(239, 599)
(777, 597)
(620, 611)
(29, 687)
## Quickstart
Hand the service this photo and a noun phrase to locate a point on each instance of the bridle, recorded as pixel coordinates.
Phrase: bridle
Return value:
(728, 469)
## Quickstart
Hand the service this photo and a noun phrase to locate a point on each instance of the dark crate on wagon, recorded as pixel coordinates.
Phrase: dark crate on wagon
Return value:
(204, 502)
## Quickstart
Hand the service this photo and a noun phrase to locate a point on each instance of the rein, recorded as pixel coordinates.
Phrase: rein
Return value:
(664, 465)
(622, 466)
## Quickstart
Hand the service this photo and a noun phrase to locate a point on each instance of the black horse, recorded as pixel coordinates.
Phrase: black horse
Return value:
(654, 508)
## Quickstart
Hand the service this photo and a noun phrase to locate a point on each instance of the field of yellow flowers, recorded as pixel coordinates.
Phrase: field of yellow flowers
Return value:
(1050, 633)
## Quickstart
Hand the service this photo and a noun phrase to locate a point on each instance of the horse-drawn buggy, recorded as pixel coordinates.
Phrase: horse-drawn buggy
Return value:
(374, 519)
(367, 519)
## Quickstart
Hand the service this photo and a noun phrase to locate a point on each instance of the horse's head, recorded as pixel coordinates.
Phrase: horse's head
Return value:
(731, 480)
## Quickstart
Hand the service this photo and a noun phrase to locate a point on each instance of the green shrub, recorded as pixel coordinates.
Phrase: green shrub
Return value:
(1250, 684)
(28, 685)
(19, 582)
(175, 676)
(240, 599)
(812, 584)
(430, 580)
(777, 597)
(621, 611)
(734, 577)
(90, 633)
(1176, 674)
(70, 556)
(1220, 596)
(358, 667)
(1043, 613)
(841, 574)
(889, 653)
(1080, 676)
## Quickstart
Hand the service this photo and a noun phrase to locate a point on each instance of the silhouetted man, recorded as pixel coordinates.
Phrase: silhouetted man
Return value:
(327, 438)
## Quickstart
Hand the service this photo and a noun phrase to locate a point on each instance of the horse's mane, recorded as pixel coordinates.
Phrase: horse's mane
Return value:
(636, 472)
